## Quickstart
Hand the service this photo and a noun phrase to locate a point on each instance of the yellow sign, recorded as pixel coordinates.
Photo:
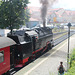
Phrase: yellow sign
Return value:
(54, 19)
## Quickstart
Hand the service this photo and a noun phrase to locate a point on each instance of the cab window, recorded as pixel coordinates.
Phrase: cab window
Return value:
(1, 56)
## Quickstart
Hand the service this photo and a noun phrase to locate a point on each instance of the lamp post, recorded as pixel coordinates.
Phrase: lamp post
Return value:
(69, 25)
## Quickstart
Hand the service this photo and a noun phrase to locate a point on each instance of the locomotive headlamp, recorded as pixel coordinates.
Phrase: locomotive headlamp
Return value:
(18, 55)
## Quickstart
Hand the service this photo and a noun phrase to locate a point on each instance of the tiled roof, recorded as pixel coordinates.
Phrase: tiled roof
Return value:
(58, 14)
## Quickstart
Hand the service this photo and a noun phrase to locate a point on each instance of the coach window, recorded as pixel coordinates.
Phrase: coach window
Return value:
(1, 56)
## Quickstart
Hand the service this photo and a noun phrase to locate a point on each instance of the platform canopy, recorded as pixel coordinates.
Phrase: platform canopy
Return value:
(5, 42)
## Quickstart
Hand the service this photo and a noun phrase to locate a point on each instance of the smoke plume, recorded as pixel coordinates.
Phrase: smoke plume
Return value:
(44, 8)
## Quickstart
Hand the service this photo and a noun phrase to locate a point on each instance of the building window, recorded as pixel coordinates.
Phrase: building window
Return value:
(1, 56)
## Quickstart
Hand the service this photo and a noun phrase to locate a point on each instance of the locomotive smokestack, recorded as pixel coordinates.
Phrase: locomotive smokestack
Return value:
(44, 8)
(44, 23)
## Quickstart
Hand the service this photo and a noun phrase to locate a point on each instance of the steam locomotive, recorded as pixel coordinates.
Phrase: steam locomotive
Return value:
(23, 46)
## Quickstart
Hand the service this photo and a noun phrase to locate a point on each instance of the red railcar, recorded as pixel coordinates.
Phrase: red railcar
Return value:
(5, 44)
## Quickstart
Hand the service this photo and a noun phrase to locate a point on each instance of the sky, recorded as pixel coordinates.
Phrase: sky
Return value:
(66, 4)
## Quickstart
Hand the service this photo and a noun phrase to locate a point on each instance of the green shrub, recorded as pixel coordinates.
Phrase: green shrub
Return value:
(73, 63)
(72, 59)
(71, 71)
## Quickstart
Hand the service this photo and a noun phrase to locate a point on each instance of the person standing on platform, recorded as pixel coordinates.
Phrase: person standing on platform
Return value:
(61, 69)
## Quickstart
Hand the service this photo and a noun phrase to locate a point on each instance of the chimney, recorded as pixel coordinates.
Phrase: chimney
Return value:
(44, 23)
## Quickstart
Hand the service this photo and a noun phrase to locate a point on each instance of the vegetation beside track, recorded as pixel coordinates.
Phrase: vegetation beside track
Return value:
(60, 35)
(71, 70)
(56, 30)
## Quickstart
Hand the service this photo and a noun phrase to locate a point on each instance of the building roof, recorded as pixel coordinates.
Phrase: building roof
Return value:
(58, 14)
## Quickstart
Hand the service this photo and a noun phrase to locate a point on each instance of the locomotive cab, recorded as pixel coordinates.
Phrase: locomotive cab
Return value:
(23, 48)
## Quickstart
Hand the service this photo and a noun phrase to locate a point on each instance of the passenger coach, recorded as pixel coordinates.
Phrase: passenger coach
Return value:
(5, 46)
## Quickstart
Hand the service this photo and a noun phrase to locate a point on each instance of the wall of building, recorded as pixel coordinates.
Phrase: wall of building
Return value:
(3, 32)
(31, 24)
